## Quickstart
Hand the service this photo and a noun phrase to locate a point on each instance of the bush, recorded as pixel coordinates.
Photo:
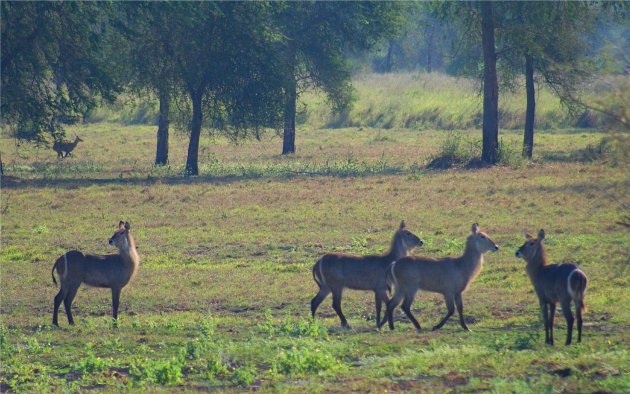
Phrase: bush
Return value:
(455, 151)
(509, 156)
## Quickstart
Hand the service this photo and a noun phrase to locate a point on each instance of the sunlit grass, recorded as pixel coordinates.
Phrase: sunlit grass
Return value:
(431, 101)
(221, 300)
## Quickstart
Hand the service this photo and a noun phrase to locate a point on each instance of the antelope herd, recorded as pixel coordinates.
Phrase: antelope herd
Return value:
(450, 276)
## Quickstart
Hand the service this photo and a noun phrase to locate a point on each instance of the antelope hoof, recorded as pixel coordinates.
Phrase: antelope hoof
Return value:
(435, 328)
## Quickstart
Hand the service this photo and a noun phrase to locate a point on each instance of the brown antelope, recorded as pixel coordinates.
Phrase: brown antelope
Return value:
(61, 146)
(111, 271)
(563, 283)
(449, 276)
(334, 272)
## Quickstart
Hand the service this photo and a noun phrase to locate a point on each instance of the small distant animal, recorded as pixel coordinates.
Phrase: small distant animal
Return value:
(563, 283)
(61, 146)
(334, 272)
(450, 276)
(113, 271)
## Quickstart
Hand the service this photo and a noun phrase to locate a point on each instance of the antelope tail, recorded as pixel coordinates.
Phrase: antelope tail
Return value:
(391, 276)
(576, 285)
(52, 273)
(318, 274)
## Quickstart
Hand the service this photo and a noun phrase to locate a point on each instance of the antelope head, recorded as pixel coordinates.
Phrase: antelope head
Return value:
(482, 242)
(531, 247)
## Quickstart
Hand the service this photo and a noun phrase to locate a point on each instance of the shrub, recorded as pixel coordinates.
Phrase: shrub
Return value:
(455, 151)
(509, 156)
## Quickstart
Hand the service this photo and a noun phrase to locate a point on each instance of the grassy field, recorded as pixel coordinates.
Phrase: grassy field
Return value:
(394, 101)
(221, 300)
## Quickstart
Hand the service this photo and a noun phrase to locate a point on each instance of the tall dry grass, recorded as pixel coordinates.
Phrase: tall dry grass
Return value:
(430, 101)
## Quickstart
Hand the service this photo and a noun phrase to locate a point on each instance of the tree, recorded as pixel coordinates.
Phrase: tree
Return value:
(315, 37)
(490, 144)
(477, 21)
(152, 66)
(53, 65)
(225, 64)
(548, 38)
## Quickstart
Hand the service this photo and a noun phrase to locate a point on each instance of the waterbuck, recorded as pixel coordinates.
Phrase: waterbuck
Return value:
(111, 271)
(449, 276)
(563, 283)
(61, 146)
(334, 272)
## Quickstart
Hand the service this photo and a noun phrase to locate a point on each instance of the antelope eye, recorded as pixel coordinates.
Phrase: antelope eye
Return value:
(531, 244)
(483, 236)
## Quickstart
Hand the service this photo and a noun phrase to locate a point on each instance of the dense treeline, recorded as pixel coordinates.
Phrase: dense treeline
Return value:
(239, 67)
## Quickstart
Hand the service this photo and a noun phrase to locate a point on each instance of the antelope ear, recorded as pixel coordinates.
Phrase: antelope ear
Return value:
(127, 226)
(121, 224)
(541, 234)
(402, 224)
(475, 228)
(527, 235)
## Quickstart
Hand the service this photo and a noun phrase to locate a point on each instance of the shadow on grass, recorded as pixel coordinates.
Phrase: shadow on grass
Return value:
(13, 182)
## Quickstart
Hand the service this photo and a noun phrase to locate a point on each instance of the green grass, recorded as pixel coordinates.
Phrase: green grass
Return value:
(221, 300)
(416, 101)
(428, 102)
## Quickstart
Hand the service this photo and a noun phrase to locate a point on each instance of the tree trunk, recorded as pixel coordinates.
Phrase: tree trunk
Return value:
(530, 112)
(490, 87)
(161, 153)
(428, 39)
(288, 141)
(388, 59)
(192, 167)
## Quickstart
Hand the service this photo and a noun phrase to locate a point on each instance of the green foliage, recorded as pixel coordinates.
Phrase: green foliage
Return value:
(455, 151)
(91, 363)
(508, 155)
(53, 65)
(293, 328)
(5, 347)
(41, 229)
(166, 372)
(216, 368)
(305, 360)
(207, 327)
(243, 376)
(319, 53)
